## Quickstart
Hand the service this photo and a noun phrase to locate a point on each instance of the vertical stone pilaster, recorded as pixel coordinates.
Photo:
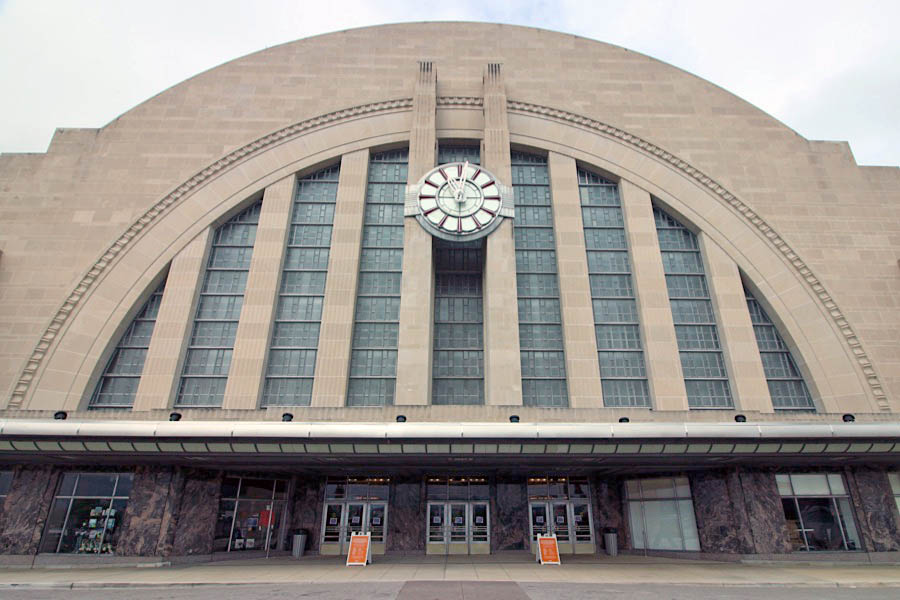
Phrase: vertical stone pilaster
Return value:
(143, 523)
(417, 285)
(159, 382)
(878, 521)
(657, 328)
(306, 512)
(26, 509)
(254, 330)
(502, 362)
(748, 380)
(199, 507)
(336, 331)
(580, 343)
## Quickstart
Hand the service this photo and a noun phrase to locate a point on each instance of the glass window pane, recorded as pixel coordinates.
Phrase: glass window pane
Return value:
(845, 511)
(636, 520)
(837, 484)
(657, 488)
(688, 525)
(784, 484)
(95, 484)
(810, 484)
(663, 530)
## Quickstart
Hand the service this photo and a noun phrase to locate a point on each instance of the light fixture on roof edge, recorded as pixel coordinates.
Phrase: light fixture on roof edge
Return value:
(287, 417)
(624, 420)
(848, 418)
(175, 416)
(513, 418)
(401, 418)
(740, 419)
(60, 415)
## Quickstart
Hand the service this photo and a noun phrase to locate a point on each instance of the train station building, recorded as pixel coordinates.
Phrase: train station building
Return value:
(454, 285)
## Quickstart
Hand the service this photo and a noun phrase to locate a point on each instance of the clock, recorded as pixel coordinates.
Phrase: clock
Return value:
(460, 201)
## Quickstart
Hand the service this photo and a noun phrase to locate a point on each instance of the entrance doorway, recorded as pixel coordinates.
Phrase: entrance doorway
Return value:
(561, 505)
(341, 519)
(354, 504)
(458, 528)
(569, 520)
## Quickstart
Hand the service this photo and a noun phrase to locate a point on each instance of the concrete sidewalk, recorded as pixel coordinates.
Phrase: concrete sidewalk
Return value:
(515, 567)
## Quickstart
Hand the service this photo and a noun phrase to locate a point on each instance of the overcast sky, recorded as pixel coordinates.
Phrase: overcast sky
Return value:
(828, 69)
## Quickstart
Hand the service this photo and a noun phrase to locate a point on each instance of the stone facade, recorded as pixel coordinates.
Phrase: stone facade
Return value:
(92, 227)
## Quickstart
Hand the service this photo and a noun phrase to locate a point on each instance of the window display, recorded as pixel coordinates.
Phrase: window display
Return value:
(86, 514)
(817, 510)
(250, 513)
(661, 514)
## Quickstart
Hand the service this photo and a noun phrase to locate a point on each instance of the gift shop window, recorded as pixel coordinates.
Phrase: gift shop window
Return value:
(86, 515)
(250, 514)
(818, 513)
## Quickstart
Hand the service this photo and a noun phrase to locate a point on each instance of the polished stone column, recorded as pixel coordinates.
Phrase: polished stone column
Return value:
(765, 515)
(406, 515)
(657, 328)
(502, 362)
(720, 513)
(336, 331)
(876, 510)
(306, 511)
(417, 286)
(26, 509)
(610, 510)
(161, 376)
(509, 514)
(251, 343)
(148, 524)
(199, 508)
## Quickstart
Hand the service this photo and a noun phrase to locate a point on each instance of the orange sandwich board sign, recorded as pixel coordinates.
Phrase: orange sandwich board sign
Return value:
(547, 549)
(360, 552)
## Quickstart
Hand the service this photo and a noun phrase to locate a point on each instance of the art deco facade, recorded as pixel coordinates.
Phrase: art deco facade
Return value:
(456, 285)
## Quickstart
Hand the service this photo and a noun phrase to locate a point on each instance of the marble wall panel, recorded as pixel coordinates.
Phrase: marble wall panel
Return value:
(196, 522)
(765, 514)
(609, 511)
(145, 521)
(306, 511)
(721, 517)
(876, 510)
(509, 523)
(26, 508)
(406, 516)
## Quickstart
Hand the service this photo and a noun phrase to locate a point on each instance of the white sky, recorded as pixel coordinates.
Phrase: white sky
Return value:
(828, 69)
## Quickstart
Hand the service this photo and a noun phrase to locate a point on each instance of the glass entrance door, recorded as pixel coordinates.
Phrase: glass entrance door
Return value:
(342, 519)
(457, 528)
(569, 520)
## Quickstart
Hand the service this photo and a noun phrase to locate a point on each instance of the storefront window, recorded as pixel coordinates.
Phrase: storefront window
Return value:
(250, 513)
(818, 513)
(661, 514)
(86, 514)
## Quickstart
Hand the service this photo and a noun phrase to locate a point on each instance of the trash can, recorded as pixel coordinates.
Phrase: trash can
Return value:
(298, 544)
(611, 540)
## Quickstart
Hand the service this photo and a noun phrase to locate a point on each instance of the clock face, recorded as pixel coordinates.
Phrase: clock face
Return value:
(459, 200)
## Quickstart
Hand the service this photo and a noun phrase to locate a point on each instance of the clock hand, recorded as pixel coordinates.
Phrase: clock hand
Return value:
(461, 190)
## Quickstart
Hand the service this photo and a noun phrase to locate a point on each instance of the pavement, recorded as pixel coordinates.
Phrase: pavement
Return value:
(517, 567)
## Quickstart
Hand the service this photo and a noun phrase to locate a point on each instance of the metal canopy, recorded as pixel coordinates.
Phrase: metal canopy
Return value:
(324, 445)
